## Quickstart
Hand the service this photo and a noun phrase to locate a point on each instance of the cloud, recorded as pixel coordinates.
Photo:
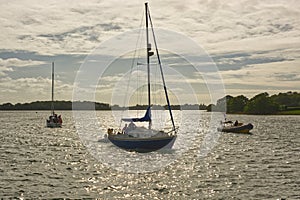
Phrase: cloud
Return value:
(54, 27)
(15, 62)
(59, 27)
(287, 77)
(32, 89)
(7, 65)
(215, 22)
(235, 61)
(274, 77)
(4, 69)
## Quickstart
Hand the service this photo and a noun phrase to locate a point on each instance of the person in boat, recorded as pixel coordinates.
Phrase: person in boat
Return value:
(51, 118)
(110, 131)
(59, 119)
(124, 130)
(131, 126)
(236, 123)
(55, 118)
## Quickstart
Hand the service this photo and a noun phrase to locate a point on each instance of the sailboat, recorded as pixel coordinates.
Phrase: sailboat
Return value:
(141, 139)
(54, 120)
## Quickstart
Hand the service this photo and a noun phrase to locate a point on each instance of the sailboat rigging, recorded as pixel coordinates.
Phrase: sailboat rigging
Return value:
(54, 120)
(157, 139)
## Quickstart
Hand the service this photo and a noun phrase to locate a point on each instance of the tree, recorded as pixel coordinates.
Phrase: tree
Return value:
(210, 108)
(236, 104)
(261, 104)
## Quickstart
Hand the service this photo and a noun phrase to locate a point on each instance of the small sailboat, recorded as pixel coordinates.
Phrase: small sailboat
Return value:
(54, 120)
(141, 139)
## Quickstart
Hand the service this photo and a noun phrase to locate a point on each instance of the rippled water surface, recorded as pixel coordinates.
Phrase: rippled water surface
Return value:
(38, 162)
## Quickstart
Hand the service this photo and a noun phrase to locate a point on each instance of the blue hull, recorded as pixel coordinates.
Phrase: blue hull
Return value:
(141, 145)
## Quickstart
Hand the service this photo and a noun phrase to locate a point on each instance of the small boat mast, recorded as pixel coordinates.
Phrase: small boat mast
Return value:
(52, 99)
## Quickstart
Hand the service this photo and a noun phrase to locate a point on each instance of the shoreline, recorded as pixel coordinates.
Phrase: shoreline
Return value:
(292, 112)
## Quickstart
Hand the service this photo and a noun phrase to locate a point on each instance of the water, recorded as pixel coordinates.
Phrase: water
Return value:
(38, 162)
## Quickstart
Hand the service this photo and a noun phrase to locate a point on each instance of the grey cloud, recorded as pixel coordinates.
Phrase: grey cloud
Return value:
(263, 28)
(282, 27)
(66, 65)
(236, 61)
(83, 30)
(287, 76)
(245, 87)
(28, 20)
(90, 33)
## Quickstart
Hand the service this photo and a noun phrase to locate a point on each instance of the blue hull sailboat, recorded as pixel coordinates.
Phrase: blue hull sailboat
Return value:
(143, 145)
(141, 139)
(54, 121)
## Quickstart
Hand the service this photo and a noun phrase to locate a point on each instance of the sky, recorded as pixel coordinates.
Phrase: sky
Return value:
(254, 44)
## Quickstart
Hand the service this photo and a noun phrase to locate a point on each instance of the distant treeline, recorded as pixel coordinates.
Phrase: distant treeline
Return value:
(282, 103)
(87, 105)
(58, 105)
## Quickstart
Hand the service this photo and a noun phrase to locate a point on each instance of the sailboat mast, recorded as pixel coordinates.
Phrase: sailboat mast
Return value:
(148, 49)
(52, 99)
